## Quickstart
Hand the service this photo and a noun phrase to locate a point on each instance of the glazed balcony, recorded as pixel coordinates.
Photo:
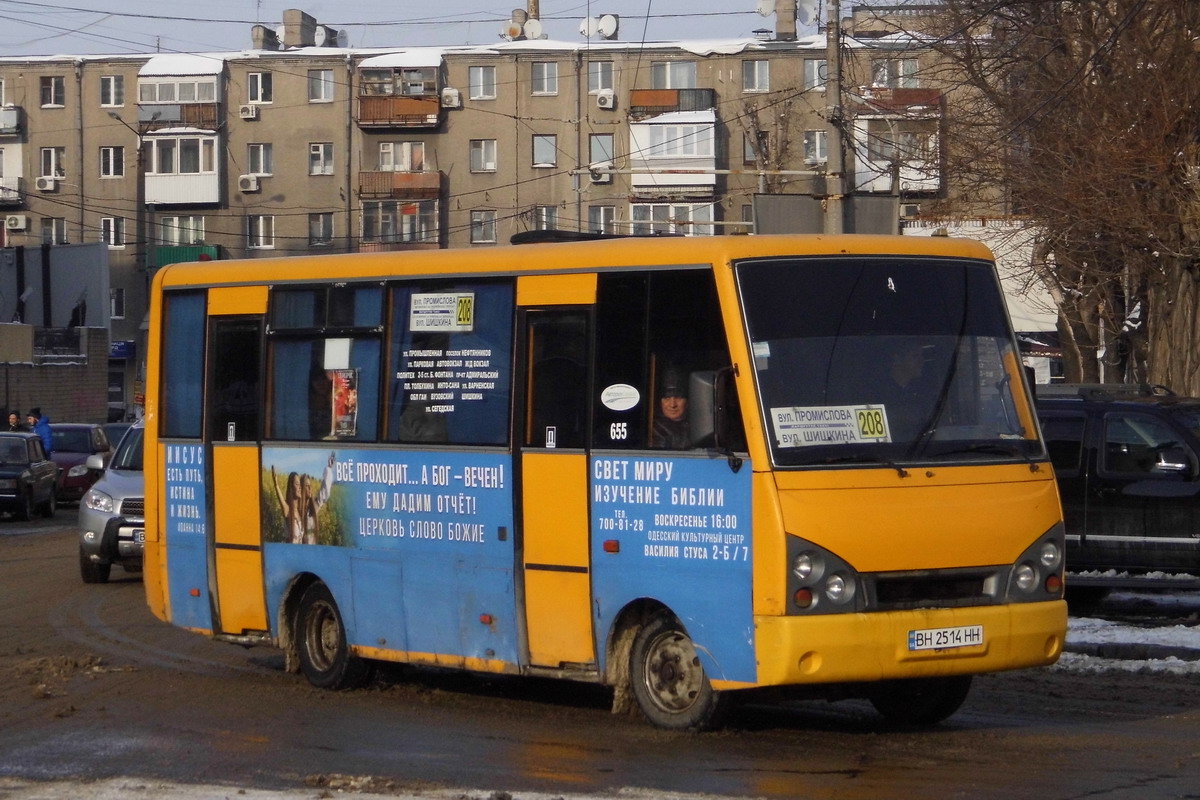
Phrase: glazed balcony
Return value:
(652, 102)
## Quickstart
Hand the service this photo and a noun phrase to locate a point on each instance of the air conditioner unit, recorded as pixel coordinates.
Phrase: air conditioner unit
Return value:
(601, 177)
(16, 222)
(248, 183)
(910, 210)
(451, 98)
(46, 184)
(248, 112)
(606, 99)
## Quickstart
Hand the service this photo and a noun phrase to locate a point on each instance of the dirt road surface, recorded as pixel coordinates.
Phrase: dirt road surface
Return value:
(98, 698)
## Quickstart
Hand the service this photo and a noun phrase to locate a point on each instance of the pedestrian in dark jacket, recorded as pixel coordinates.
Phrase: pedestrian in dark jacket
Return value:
(41, 426)
(15, 424)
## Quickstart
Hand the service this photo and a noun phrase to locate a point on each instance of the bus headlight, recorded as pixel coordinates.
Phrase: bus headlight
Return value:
(1025, 577)
(1051, 555)
(838, 589)
(803, 566)
(818, 581)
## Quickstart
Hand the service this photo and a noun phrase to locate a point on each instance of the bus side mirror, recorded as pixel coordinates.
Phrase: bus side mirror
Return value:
(714, 416)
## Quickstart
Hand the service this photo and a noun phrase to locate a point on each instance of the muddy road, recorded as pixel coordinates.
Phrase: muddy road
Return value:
(92, 686)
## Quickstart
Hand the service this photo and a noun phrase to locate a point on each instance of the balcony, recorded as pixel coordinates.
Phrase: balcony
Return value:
(395, 247)
(202, 116)
(184, 189)
(10, 191)
(10, 120)
(389, 111)
(652, 102)
(163, 255)
(400, 185)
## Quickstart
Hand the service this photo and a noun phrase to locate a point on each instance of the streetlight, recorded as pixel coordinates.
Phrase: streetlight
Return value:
(140, 192)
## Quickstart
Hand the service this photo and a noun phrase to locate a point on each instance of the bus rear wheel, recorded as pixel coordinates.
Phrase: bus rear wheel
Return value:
(325, 658)
(668, 679)
(920, 701)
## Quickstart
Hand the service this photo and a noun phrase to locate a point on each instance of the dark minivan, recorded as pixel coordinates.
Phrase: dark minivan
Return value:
(1127, 460)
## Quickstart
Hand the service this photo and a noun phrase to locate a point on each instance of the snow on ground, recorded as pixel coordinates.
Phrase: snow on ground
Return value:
(1090, 630)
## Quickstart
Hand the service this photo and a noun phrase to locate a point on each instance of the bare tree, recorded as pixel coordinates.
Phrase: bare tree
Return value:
(1088, 115)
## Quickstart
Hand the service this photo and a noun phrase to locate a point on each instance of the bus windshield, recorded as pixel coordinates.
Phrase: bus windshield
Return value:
(884, 360)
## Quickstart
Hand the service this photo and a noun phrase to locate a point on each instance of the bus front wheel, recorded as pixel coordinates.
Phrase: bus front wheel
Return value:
(325, 658)
(668, 678)
(920, 701)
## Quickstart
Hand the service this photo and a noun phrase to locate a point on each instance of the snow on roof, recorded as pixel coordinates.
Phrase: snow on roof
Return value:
(183, 64)
(415, 57)
(682, 118)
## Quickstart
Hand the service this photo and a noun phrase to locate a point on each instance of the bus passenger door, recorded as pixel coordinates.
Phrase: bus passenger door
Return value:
(554, 481)
(233, 417)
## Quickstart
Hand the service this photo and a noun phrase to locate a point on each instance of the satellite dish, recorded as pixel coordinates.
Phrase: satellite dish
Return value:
(533, 29)
(806, 11)
(766, 8)
(607, 25)
(320, 35)
(511, 30)
(589, 26)
(342, 39)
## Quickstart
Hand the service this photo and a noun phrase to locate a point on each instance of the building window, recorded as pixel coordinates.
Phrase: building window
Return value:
(815, 151)
(320, 158)
(260, 87)
(52, 162)
(260, 231)
(482, 83)
(545, 218)
(320, 229)
(112, 231)
(1, 91)
(483, 227)
(756, 76)
(418, 81)
(600, 148)
(175, 90)
(320, 86)
(407, 221)
(116, 303)
(895, 73)
(54, 91)
(54, 230)
(112, 162)
(402, 156)
(112, 90)
(258, 158)
(600, 76)
(754, 144)
(673, 75)
(185, 155)
(483, 155)
(671, 141)
(545, 150)
(181, 230)
(602, 219)
(816, 73)
(684, 218)
(545, 77)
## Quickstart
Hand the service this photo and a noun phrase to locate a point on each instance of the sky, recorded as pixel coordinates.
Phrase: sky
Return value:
(86, 27)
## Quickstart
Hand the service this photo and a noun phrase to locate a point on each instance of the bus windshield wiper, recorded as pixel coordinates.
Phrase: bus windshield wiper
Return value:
(886, 462)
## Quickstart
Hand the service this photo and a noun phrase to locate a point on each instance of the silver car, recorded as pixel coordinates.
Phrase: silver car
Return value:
(112, 524)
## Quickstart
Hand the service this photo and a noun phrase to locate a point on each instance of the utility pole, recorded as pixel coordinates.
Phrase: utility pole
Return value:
(835, 178)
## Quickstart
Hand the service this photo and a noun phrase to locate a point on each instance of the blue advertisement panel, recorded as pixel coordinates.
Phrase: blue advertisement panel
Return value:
(417, 547)
(681, 528)
(187, 536)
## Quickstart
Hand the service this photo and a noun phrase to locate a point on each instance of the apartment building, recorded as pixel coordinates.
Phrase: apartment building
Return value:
(301, 144)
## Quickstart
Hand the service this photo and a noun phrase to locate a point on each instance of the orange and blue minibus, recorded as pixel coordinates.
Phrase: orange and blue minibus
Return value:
(683, 468)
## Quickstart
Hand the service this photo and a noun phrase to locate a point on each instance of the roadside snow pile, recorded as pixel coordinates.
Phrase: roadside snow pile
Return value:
(1100, 645)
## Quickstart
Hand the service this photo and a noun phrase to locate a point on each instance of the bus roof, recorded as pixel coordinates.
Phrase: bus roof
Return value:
(546, 258)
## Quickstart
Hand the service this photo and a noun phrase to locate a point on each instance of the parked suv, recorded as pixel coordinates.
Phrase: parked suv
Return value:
(1127, 459)
(112, 525)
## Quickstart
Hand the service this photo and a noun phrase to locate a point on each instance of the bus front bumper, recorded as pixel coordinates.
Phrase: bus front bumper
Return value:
(838, 648)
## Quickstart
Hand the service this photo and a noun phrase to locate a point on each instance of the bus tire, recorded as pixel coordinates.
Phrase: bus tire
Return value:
(325, 658)
(920, 701)
(668, 679)
(92, 571)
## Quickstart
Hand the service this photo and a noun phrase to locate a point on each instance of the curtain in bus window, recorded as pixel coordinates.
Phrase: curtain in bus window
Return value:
(312, 400)
(450, 354)
(183, 365)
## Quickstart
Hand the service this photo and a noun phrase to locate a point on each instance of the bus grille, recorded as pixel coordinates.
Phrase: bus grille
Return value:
(133, 507)
(934, 589)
